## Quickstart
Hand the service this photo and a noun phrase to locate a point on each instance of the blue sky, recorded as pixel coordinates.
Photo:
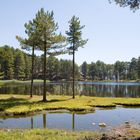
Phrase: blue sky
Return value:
(113, 32)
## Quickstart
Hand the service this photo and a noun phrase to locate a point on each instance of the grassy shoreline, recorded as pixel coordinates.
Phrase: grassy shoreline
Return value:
(11, 105)
(39, 80)
(20, 81)
(44, 134)
(54, 134)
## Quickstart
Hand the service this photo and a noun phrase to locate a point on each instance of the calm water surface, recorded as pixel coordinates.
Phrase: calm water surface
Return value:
(73, 121)
(101, 89)
(112, 118)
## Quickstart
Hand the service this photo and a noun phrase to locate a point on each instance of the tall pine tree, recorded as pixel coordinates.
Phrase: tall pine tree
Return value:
(75, 40)
(50, 42)
(30, 44)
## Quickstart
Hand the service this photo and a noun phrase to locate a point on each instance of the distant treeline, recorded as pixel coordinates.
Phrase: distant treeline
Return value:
(16, 64)
(118, 71)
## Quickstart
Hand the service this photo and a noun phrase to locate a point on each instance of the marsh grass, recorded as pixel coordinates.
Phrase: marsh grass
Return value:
(23, 104)
(53, 134)
(43, 134)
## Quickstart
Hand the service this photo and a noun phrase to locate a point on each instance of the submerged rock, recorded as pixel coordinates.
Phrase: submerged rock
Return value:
(127, 122)
(102, 124)
(93, 123)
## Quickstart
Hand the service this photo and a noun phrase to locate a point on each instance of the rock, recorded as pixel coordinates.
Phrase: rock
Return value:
(104, 137)
(128, 126)
(8, 130)
(118, 133)
(93, 123)
(13, 97)
(102, 124)
(125, 138)
(127, 123)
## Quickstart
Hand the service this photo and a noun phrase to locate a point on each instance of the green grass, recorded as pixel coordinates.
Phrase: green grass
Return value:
(4, 82)
(43, 134)
(52, 134)
(20, 81)
(22, 104)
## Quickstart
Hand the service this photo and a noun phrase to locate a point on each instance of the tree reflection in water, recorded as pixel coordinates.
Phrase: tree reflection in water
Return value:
(100, 89)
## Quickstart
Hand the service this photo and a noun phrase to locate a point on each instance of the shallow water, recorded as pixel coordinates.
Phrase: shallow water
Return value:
(101, 89)
(73, 121)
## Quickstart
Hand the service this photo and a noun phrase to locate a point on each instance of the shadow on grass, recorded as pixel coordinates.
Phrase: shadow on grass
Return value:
(13, 102)
(12, 99)
(54, 100)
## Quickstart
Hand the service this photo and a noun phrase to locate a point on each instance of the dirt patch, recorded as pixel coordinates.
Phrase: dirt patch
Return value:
(126, 131)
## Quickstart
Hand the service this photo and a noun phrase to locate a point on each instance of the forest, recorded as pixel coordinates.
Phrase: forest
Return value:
(16, 64)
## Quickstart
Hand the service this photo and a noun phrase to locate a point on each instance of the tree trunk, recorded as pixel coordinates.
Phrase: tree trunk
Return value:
(44, 120)
(32, 76)
(44, 85)
(32, 123)
(73, 74)
(73, 121)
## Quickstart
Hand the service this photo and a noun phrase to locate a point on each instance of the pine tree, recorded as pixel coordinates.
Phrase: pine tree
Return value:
(138, 68)
(133, 4)
(133, 69)
(92, 70)
(75, 40)
(10, 65)
(6, 61)
(84, 69)
(19, 65)
(30, 44)
(1, 73)
(50, 42)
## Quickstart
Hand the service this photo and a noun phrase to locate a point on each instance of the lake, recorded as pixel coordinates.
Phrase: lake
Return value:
(100, 89)
(73, 121)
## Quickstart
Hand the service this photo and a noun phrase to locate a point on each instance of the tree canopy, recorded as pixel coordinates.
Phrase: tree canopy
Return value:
(133, 4)
(48, 40)
(74, 38)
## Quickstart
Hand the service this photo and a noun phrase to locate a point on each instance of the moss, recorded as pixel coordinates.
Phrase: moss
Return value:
(22, 104)
(134, 133)
(127, 101)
